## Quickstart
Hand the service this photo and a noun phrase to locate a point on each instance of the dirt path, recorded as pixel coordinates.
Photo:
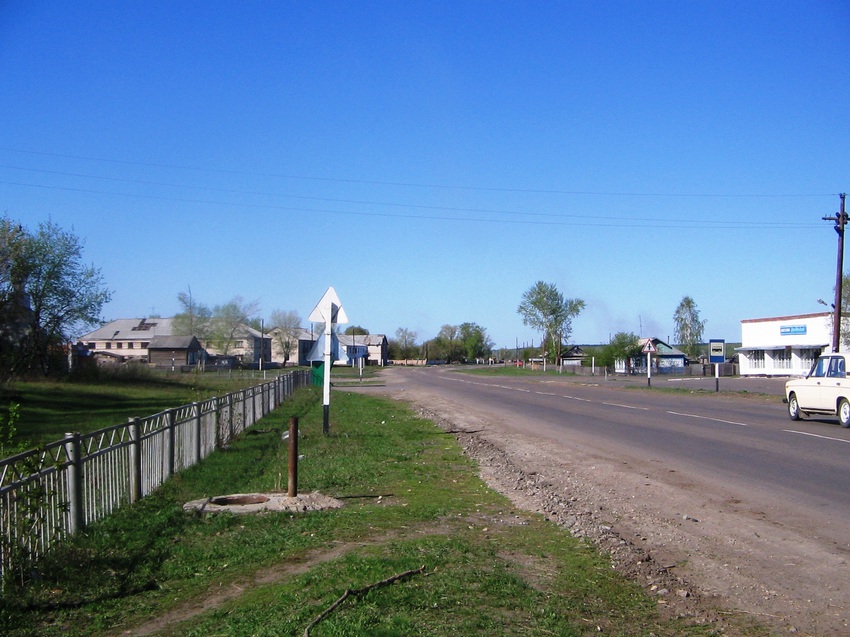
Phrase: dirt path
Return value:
(700, 551)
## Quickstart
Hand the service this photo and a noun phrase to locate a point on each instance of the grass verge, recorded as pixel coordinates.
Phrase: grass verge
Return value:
(49, 409)
(411, 500)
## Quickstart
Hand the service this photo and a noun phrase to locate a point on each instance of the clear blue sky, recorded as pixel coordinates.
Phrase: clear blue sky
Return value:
(433, 160)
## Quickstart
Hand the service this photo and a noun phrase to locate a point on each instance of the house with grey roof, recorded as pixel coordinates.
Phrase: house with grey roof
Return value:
(127, 339)
(175, 352)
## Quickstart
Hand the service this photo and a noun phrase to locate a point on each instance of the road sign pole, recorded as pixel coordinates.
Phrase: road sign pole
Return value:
(326, 390)
(329, 310)
(649, 369)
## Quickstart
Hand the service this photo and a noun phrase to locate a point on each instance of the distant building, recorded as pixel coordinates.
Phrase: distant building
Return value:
(175, 352)
(126, 339)
(783, 345)
(666, 359)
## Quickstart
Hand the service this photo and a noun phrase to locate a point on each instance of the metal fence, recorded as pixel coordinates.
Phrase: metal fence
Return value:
(49, 493)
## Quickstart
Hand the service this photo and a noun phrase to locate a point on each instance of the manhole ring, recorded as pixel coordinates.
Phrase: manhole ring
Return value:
(237, 500)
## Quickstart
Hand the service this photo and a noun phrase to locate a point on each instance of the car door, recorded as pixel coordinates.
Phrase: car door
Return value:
(808, 391)
(833, 385)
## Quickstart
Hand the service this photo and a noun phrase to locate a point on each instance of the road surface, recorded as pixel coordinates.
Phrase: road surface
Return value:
(751, 507)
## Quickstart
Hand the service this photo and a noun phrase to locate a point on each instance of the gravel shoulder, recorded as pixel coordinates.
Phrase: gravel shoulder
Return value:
(702, 552)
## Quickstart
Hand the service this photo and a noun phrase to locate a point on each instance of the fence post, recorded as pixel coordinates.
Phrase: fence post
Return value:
(196, 410)
(292, 489)
(244, 410)
(230, 415)
(172, 439)
(135, 461)
(76, 517)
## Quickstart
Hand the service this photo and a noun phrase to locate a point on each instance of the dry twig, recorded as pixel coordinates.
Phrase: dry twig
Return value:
(359, 591)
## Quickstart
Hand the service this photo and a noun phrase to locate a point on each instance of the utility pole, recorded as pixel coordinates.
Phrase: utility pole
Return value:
(840, 220)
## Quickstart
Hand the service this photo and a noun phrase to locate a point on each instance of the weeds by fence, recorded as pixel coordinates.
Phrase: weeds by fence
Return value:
(49, 493)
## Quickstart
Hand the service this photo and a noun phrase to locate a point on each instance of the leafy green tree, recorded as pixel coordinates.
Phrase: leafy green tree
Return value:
(545, 309)
(623, 346)
(476, 343)
(356, 330)
(447, 344)
(47, 295)
(228, 320)
(405, 343)
(195, 318)
(689, 328)
(286, 325)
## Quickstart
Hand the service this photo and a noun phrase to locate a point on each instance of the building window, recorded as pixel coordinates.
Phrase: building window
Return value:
(108, 346)
(145, 345)
(808, 358)
(757, 359)
(782, 359)
(130, 345)
(119, 345)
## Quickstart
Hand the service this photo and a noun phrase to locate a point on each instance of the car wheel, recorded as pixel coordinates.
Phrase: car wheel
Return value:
(844, 412)
(793, 407)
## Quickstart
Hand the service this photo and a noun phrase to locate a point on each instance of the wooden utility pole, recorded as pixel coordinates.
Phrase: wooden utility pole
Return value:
(840, 220)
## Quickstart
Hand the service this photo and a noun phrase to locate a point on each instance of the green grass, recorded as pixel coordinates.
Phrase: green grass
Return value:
(412, 499)
(49, 409)
(510, 370)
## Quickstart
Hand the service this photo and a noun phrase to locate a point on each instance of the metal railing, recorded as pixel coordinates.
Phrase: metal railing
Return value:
(49, 493)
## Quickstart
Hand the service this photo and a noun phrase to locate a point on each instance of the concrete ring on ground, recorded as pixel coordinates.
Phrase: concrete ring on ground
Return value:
(244, 503)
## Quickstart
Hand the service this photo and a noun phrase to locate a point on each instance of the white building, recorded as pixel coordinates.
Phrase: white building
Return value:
(784, 345)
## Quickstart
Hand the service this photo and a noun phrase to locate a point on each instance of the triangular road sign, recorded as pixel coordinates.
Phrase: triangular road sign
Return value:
(328, 310)
(649, 347)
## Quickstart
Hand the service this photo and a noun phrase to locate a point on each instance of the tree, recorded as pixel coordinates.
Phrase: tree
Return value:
(623, 346)
(476, 343)
(545, 309)
(689, 328)
(406, 342)
(286, 325)
(228, 320)
(195, 319)
(356, 330)
(46, 295)
(446, 343)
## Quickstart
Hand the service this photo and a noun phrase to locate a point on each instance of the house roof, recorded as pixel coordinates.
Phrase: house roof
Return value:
(663, 348)
(362, 339)
(174, 342)
(131, 329)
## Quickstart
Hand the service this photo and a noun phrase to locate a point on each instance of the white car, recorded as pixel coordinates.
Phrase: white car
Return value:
(826, 390)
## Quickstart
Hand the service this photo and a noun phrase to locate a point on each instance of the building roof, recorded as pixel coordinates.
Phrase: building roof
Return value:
(793, 317)
(131, 329)
(174, 342)
(663, 348)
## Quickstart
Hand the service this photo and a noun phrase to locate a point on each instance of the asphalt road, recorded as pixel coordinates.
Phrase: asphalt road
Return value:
(739, 439)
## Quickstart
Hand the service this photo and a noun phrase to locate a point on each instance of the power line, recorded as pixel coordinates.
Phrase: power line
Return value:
(609, 223)
(737, 223)
(413, 184)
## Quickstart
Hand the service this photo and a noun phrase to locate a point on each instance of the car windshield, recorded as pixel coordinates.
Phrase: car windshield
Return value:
(820, 367)
(828, 366)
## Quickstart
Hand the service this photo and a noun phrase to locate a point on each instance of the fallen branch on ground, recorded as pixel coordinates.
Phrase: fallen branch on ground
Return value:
(359, 591)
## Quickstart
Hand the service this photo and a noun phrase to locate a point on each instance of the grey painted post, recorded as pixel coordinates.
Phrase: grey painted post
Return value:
(196, 408)
(230, 415)
(135, 461)
(171, 438)
(292, 489)
(76, 517)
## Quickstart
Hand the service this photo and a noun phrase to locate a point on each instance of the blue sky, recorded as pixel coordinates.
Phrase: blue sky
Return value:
(432, 160)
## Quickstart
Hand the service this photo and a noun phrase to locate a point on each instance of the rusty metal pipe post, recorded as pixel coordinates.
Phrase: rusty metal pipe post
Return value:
(292, 491)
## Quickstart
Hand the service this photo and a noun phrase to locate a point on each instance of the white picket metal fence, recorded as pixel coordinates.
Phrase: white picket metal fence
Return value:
(49, 493)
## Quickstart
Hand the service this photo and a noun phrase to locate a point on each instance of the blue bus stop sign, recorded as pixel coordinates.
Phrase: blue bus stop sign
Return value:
(716, 351)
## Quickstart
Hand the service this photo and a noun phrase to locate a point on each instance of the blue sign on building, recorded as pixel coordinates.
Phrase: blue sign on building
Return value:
(792, 330)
